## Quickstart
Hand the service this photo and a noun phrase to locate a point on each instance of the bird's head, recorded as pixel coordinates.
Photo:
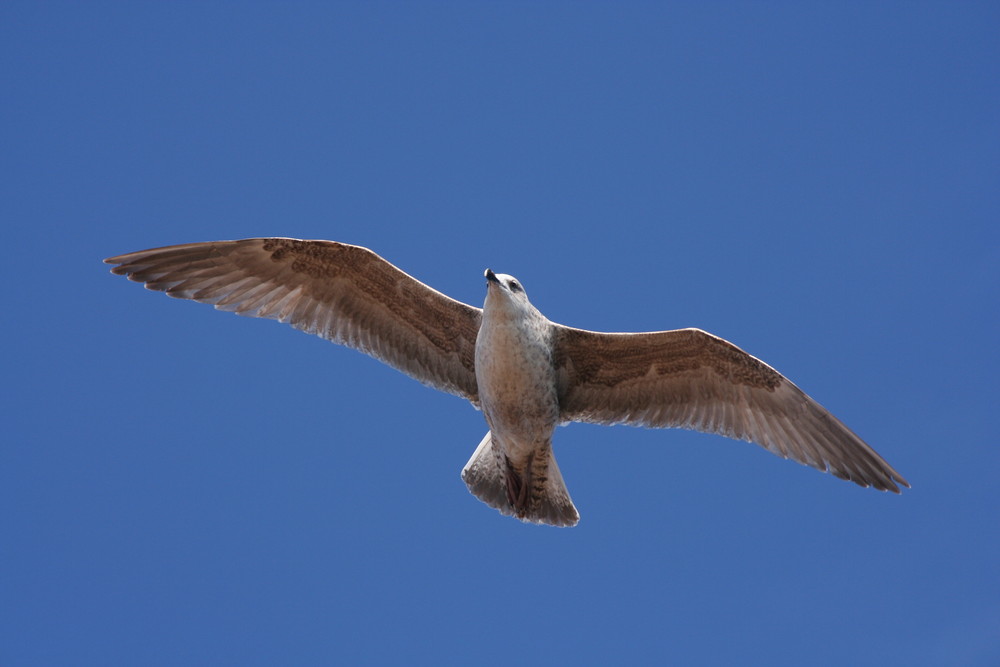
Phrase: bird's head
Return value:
(506, 293)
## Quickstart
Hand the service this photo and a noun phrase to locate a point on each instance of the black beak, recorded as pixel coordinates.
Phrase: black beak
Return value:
(491, 277)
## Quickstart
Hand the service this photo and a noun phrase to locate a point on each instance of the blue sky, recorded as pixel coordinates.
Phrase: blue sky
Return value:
(817, 182)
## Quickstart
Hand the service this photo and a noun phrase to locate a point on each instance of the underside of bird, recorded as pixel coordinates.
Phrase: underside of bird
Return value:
(513, 363)
(532, 490)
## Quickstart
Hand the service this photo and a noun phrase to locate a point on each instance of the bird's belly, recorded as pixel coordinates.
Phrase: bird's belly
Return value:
(517, 392)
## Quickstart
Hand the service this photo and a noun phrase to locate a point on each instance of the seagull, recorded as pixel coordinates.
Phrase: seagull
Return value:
(526, 373)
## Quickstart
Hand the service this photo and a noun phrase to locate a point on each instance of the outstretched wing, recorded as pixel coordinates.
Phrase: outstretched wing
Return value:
(691, 379)
(344, 293)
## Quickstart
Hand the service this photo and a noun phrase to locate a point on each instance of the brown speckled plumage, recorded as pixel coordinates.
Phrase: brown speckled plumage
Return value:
(525, 372)
(344, 293)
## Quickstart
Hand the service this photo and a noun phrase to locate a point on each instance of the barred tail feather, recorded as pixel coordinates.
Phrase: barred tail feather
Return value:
(491, 478)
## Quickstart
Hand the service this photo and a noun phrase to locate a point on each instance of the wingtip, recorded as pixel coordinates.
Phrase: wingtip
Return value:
(119, 269)
(891, 485)
(895, 481)
(115, 263)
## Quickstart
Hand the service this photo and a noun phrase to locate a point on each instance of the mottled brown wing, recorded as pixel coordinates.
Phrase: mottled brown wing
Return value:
(691, 379)
(346, 294)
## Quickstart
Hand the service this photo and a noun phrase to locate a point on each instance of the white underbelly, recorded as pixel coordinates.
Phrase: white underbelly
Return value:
(517, 389)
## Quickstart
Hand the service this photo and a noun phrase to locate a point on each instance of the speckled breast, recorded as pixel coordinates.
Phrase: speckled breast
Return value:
(517, 383)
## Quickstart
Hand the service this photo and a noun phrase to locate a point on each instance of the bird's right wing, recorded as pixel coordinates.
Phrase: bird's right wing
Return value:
(691, 379)
(344, 293)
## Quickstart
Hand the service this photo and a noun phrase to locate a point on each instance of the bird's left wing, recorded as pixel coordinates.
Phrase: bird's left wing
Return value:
(344, 293)
(691, 379)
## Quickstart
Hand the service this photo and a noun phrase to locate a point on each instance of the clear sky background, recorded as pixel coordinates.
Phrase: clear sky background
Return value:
(816, 182)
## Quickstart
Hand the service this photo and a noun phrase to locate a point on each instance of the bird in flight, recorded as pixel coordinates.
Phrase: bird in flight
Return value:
(526, 373)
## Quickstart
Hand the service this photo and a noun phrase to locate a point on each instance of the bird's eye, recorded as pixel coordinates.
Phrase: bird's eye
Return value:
(514, 286)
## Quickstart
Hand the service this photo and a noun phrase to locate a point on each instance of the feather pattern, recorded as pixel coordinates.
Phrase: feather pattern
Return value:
(344, 293)
(691, 379)
(505, 360)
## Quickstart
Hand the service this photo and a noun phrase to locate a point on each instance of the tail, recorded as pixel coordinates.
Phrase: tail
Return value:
(534, 493)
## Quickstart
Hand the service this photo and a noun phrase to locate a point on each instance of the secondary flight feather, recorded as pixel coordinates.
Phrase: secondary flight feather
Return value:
(526, 373)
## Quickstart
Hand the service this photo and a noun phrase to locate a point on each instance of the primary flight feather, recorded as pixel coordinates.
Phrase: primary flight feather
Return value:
(525, 373)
